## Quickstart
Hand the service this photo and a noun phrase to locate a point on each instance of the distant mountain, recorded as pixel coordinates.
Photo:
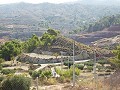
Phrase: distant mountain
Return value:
(64, 17)
(99, 2)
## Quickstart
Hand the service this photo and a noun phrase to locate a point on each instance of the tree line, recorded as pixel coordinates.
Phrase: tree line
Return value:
(11, 49)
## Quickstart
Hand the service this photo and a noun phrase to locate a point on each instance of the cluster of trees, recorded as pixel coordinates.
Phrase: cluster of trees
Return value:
(13, 48)
(10, 49)
(31, 44)
(104, 23)
(116, 60)
(48, 37)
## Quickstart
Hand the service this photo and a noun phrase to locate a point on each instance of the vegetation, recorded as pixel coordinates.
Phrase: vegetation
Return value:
(10, 49)
(41, 74)
(31, 44)
(104, 23)
(89, 63)
(116, 60)
(7, 71)
(69, 64)
(16, 83)
(48, 37)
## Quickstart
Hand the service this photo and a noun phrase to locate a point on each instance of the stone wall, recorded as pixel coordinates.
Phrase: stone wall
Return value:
(38, 60)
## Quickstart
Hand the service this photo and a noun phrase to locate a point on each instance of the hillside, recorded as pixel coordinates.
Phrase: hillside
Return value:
(64, 46)
(88, 38)
(110, 43)
(64, 17)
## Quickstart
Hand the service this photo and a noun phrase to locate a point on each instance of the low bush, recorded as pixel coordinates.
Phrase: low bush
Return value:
(46, 73)
(79, 66)
(35, 74)
(7, 71)
(68, 73)
(69, 64)
(51, 81)
(102, 62)
(2, 78)
(89, 63)
(0, 66)
(18, 82)
(89, 68)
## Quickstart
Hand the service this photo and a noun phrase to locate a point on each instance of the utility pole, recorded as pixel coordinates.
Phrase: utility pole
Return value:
(37, 82)
(68, 63)
(73, 63)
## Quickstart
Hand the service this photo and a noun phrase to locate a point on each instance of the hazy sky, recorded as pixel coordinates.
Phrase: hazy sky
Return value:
(34, 1)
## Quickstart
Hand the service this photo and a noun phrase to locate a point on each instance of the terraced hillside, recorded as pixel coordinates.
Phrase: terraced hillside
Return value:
(63, 44)
(88, 38)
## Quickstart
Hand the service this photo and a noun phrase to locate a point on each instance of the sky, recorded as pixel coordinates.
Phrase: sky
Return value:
(34, 1)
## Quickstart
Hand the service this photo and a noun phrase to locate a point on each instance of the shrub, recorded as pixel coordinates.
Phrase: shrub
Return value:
(39, 64)
(79, 66)
(30, 72)
(89, 63)
(69, 64)
(89, 68)
(35, 74)
(16, 83)
(68, 73)
(0, 66)
(102, 62)
(51, 81)
(8, 71)
(2, 78)
(46, 73)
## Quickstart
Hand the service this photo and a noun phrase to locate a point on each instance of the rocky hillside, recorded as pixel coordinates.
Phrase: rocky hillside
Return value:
(64, 46)
(88, 38)
(111, 43)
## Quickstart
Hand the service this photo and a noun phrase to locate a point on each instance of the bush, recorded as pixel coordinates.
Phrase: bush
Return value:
(0, 67)
(16, 83)
(30, 72)
(89, 68)
(89, 63)
(46, 73)
(69, 64)
(102, 62)
(35, 74)
(1, 78)
(79, 66)
(51, 81)
(8, 71)
(39, 64)
(68, 73)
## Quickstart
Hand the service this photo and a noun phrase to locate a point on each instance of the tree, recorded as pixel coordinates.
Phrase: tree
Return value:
(48, 37)
(116, 60)
(10, 49)
(18, 82)
(31, 44)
